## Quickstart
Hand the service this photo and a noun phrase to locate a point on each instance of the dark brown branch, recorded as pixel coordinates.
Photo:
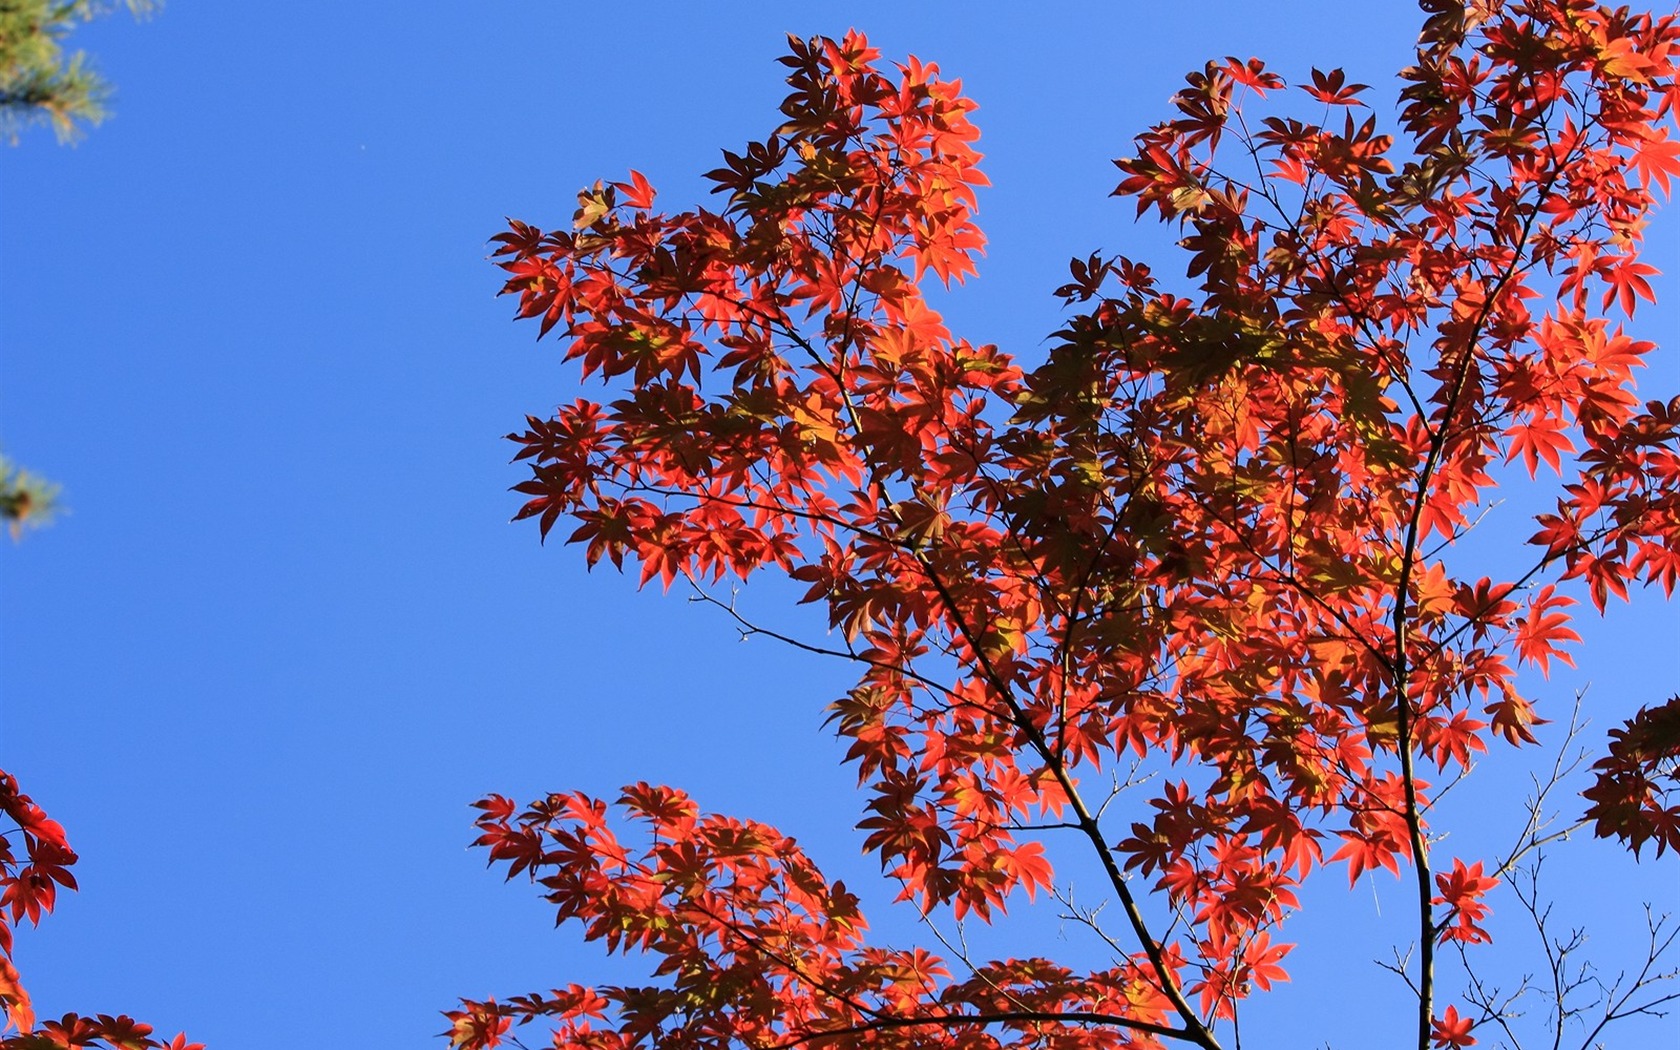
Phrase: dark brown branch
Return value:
(1194, 1029)
(1006, 1017)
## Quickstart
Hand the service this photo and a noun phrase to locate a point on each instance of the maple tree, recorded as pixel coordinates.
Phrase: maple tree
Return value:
(1213, 528)
(1211, 531)
(29, 885)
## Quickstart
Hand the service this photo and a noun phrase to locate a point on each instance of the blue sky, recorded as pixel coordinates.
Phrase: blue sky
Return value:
(285, 633)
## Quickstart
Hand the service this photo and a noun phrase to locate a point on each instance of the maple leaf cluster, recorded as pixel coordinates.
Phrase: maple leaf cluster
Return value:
(1635, 780)
(29, 887)
(1212, 528)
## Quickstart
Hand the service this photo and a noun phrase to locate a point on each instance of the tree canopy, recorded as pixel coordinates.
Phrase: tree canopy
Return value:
(1215, 530)
(1188, 604)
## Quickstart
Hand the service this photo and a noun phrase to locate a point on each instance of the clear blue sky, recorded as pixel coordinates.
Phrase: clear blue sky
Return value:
(286, 634)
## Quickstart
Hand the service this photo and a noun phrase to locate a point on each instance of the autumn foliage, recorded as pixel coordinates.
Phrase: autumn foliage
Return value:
(1210, 528)
(29, 885)
(1213, 526)
(1630, 792)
